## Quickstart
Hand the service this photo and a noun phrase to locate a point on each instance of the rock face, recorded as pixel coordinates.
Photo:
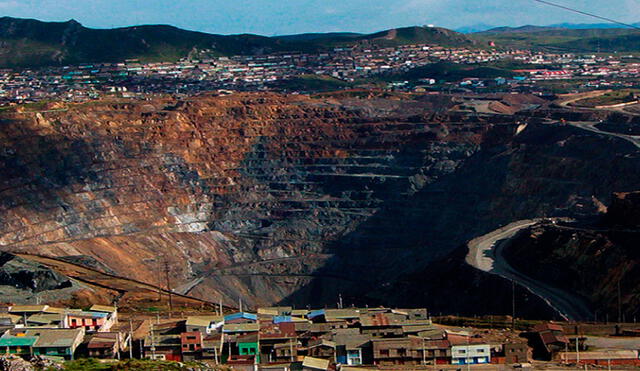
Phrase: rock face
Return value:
(287, 199)
(598, 260)
(25, 281)
(26, 275)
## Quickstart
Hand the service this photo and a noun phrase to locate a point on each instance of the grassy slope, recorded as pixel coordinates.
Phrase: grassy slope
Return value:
(589, 40)
(31, 43)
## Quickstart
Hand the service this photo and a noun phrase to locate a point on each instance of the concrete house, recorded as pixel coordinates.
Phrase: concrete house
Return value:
(470, 354)
(60, 343)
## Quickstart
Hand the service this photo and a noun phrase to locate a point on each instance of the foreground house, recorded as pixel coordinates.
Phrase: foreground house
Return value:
(105, 345)
(60, 343)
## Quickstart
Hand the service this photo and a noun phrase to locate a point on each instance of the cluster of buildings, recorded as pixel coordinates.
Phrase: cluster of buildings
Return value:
(324, 339)
(57, 333)
(346, 337)
(284, 338)
(133, 78)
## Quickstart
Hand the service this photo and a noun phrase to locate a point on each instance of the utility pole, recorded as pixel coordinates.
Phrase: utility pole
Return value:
(153, 343)
(513, 305)
(339, 301)
(424, 354)
(619, 301)
(578, 348)
(291, 348)
(166, 273)
(130, 339)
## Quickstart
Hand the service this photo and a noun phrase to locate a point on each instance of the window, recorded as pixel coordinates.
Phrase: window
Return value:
(384, 352)
(480, 350)
(402, 352)
(462, 351)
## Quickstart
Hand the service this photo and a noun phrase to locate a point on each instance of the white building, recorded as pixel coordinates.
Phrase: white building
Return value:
(470, 354)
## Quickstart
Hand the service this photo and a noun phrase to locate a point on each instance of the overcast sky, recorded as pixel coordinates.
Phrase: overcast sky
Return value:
(278, 17)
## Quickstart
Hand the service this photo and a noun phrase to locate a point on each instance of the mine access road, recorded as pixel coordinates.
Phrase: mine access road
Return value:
(486, 254)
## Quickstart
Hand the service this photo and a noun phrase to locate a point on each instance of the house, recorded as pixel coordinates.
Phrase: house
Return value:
(470, 354)
(90, 321)
(197, 324)
(57, 342)
(46, 320)
(516, 353)
(17, 345)
(322, 348)
(112, 311)
(434, 352)
(603, 358)
(166, 347)
(549, 339)
(388, 352)
(105, 345)
(191, 345)
(278, 342)
(211, 346)
(164, 342)
(248, 345)
(353, 349)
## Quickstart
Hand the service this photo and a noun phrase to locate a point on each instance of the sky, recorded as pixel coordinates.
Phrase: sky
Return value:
(281, 17)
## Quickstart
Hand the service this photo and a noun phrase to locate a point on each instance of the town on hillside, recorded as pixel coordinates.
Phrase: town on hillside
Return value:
(284, 338)
(366, 66)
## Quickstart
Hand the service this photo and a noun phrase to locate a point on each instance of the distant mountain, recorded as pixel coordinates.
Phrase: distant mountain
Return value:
(318, 36)
(558, 26)
(32, 43)
(521, 29)
(606, 40)
(478, 27)
(582, 26)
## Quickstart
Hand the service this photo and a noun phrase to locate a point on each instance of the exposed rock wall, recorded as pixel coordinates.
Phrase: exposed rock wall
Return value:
(286, 198)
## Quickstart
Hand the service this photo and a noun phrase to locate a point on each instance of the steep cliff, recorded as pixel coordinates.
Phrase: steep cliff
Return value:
(288, 198)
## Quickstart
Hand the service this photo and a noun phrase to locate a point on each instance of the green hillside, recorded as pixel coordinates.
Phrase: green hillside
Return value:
(32, 43)
(559, 39)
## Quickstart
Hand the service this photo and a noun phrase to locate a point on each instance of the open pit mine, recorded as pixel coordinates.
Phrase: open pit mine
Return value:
(291, 199)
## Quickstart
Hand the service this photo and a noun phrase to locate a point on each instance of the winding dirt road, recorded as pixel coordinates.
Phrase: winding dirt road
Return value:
(486, 254)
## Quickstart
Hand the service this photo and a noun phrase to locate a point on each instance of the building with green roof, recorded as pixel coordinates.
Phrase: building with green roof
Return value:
(17, 345)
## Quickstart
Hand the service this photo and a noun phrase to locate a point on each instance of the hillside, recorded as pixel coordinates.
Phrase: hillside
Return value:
(596, 260)
(562, 39)
(32, 43)
(27, 43)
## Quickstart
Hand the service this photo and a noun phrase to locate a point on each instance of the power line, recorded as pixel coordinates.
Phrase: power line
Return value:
(586, 13)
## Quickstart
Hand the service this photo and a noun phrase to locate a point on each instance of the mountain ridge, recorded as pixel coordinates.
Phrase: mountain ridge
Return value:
(33, 43)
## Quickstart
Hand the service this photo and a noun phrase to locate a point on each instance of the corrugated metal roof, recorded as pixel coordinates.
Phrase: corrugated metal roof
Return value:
(56, 338)
(241, 327)
(17, 341)
(241, 315)
(28, 308)
(198, 321)
(315, 363)
(103, 308)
